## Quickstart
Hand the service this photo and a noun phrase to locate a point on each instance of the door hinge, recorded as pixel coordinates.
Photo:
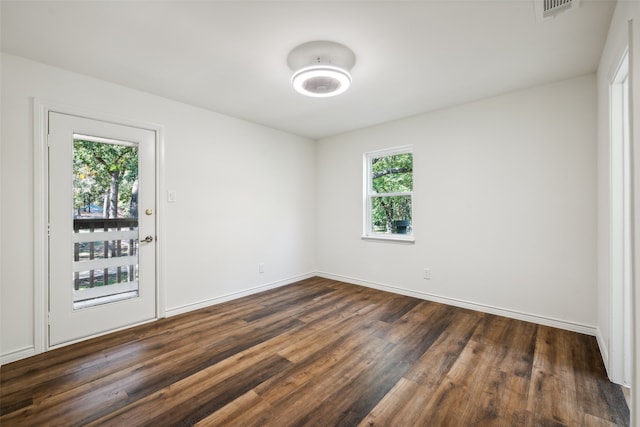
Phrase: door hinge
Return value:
(49, 230)
(49, 318)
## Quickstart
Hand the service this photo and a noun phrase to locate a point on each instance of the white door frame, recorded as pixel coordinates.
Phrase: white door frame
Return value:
(620, 230)
(634, 93)
(633, 52)
(41, 110)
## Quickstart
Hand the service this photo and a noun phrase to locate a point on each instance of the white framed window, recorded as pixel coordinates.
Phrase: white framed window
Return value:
(388, 194)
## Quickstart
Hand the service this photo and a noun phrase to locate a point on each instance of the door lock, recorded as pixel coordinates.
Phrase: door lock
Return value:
(147, 239)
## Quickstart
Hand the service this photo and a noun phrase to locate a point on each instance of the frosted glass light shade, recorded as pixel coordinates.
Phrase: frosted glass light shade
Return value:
(321, 81)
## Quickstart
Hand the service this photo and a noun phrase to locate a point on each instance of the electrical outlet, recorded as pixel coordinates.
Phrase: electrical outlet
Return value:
(261, 267)
(427, 274)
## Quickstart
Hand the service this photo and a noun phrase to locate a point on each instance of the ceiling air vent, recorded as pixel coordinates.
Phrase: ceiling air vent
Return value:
(546, 9)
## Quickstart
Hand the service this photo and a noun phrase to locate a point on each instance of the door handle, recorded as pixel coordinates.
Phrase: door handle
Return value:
(147, 239)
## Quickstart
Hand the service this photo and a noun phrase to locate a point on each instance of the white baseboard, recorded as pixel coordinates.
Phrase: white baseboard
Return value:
(22, 353)
(234, 295)
(513, 314)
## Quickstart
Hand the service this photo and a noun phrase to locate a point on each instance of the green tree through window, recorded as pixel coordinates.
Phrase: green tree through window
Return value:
(389, 192)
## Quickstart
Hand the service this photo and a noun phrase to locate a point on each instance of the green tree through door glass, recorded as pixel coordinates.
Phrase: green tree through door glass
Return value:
(105, 221)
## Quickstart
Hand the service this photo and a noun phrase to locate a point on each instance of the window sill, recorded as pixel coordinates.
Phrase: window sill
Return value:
(393, 238)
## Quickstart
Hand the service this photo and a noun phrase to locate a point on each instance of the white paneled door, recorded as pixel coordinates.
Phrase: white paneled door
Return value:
(102, 227)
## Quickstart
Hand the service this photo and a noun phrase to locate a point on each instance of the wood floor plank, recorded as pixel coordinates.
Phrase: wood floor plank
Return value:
(436, 362)
(298, 408)
(249, 405)
(505, 388)
(552, 383)
(449, 401)
(120, 355)
(403, 405)
(333, 350)
(319, 353)
(194, 399)
(400, 406)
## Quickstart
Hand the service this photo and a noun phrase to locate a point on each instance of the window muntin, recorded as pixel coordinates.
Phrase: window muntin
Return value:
(389, 194)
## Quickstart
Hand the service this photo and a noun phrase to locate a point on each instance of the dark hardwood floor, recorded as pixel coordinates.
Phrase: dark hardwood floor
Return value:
(319, 353)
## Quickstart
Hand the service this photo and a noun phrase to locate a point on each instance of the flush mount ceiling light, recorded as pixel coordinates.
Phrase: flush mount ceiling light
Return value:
(321, 68)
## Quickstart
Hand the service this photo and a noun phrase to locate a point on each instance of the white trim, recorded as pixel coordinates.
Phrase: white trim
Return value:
(102, 291)
(391, 238)
(19, 354)
(634, 100)
(40, 228)
(235, 295)
(394, 194)
(102, 140)
(512, 314)
(402, 149)
(41, 110)
(109, 298)
(105, 236)
(619, 216)
(100, 263)
(160, 223)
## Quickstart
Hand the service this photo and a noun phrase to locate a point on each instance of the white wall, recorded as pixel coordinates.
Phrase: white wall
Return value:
(617, 40)
(245, 195)
(504, 206)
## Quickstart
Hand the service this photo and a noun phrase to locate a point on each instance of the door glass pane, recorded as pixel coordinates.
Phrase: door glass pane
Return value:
(105, 221)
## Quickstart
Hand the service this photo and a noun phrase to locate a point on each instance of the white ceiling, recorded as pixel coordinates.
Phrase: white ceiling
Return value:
(231, 56)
